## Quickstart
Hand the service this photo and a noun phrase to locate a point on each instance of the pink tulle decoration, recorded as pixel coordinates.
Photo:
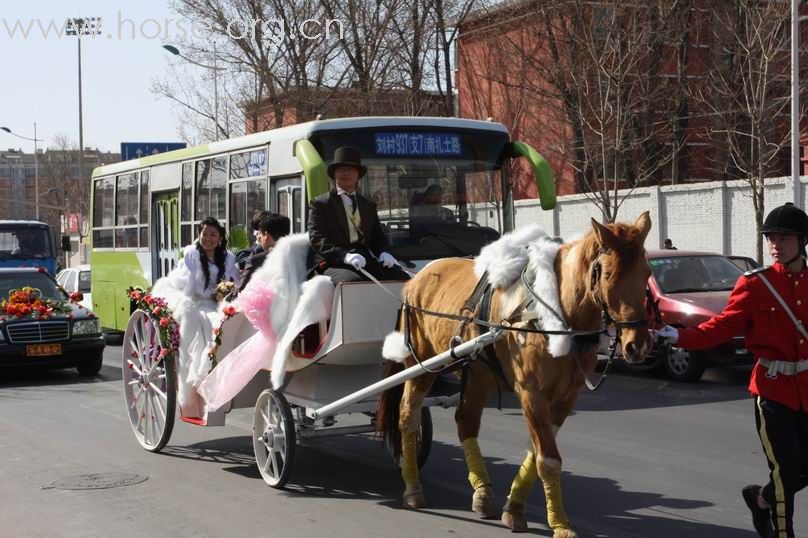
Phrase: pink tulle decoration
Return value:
(255, 303)
(240, 365)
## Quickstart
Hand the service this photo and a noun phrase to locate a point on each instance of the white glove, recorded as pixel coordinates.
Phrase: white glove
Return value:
(669, 333)
(387, 259)
(357, 260)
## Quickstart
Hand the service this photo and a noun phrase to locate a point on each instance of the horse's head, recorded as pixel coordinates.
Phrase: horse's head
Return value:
(618, 279)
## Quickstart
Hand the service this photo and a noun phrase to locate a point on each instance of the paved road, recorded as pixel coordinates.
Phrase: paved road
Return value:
(643, 457)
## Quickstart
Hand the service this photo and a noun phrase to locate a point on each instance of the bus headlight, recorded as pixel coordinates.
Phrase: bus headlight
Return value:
(85, 327)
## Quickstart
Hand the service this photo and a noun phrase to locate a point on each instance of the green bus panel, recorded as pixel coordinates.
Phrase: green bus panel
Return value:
(112, 274)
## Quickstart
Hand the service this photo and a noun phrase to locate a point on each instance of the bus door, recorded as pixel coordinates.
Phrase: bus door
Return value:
(287, 200)
(166, 233)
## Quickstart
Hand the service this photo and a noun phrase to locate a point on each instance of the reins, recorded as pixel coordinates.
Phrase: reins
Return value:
(519, 315)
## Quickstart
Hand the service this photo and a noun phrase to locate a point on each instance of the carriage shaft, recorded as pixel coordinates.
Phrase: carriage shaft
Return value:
(437, 361)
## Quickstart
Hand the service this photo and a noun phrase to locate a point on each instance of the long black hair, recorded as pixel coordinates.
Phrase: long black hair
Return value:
(218, 256)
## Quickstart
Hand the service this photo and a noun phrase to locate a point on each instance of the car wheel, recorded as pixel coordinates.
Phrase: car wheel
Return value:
(682, 365)
(91, 367)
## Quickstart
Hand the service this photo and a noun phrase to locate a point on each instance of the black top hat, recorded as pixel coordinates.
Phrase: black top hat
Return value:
(346, 156)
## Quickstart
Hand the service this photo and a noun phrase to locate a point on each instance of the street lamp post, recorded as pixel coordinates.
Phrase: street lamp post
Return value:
(215, 68)
(80, 27)
(36, 163)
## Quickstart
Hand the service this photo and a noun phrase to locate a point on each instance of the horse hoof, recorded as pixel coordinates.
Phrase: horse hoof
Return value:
(513, 517)
(483, 502)
(565, 533)
(414, 497)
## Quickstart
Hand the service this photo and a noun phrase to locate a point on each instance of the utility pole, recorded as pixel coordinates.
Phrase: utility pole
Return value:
(81, 27)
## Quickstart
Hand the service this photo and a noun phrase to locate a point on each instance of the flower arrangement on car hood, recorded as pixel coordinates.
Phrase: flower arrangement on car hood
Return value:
(27, 302)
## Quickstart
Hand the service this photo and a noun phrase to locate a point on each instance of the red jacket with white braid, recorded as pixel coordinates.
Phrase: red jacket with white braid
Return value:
(753, 311)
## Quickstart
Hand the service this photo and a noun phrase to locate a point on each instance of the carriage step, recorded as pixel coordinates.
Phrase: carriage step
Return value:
(212, 419)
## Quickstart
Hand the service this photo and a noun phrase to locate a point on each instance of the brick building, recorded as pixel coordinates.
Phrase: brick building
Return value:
(509, 70)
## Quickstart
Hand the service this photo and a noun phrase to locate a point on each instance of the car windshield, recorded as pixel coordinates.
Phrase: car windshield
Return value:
(24, 241)
(680, 274)
(84, 281)
(41, 281)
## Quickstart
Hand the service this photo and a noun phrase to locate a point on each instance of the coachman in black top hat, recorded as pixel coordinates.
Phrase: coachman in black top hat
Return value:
(344, 228)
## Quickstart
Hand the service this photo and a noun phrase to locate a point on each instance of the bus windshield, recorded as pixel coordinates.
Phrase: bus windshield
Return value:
(23, 241)
(437, 194)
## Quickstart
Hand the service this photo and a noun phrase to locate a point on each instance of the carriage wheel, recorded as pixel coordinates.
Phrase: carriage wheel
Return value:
(273, 438)
(149, 383)
(423, 439)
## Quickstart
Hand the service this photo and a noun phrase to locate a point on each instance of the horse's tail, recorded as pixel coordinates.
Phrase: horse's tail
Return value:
(396, 351)
(389, 409)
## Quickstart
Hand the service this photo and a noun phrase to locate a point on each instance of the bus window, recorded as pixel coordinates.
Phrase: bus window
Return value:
(211, 188)
(297, 203)
(248, 164)
(438, 193)
(104, 196)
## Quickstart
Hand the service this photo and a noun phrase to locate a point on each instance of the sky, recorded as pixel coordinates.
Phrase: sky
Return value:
(40, 74)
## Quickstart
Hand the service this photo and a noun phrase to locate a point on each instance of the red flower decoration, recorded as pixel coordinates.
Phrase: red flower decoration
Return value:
(40, 269)
(157, 310)
(164, 322)
(76, 296)
(229, 311)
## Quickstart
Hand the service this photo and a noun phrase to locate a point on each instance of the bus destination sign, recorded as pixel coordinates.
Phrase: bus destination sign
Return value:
(416, 144)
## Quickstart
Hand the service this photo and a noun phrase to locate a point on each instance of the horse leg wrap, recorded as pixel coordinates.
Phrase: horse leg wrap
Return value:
(413, 494)
(483, 500)
(556, 517)
(524, 480)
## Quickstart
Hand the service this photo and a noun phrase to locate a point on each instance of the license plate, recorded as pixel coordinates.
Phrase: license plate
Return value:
(43, 350)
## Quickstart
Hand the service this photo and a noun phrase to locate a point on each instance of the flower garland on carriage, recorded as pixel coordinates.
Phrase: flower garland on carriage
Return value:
(159, 310)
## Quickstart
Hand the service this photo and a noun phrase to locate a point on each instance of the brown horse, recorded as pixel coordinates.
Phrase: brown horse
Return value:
(607, 269)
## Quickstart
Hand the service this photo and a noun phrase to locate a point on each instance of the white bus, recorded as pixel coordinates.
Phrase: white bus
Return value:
(145, 210)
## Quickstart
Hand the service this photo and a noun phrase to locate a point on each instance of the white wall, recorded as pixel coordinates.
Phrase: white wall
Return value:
(714, 217)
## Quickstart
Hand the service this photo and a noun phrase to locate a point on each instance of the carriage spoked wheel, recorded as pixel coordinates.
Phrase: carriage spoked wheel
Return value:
(273, 438)
(149, 382)
(423, 440)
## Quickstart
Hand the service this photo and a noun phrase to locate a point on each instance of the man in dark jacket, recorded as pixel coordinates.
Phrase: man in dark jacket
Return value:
(344, 229)
(270, 227)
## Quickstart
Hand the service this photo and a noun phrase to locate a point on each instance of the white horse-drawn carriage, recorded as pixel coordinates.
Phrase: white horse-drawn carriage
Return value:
(334, 367)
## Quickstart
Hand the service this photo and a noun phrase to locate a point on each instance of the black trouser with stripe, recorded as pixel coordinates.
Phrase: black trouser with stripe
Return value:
(784, 435)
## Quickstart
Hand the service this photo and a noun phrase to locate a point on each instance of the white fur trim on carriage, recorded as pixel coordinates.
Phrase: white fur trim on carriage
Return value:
(395, 347)
(297, 304)
(314, 306)
(505, 258)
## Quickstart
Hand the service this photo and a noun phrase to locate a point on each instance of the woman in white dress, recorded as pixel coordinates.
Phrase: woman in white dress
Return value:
(205, 264)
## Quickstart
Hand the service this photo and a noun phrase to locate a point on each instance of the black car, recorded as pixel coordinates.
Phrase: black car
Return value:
(67, 338)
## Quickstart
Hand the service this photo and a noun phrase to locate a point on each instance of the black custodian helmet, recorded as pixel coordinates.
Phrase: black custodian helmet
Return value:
(786, 219)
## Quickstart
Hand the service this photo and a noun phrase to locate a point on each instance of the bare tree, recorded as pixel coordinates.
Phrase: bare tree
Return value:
(67, 192)
(596, 71)
(746, 94)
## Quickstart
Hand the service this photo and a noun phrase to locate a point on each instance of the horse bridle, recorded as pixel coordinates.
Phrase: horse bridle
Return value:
(595, 272)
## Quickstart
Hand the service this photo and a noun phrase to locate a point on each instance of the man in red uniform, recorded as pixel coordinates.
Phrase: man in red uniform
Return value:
(779, 381)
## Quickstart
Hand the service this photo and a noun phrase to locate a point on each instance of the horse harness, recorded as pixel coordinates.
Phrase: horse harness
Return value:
(479, 306)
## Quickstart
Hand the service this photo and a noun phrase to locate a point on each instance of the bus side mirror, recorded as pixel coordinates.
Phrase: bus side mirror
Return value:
(66, 243)
(541, 172)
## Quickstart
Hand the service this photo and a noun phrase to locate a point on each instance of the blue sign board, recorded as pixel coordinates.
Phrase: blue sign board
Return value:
(136, 150)
(415, 144)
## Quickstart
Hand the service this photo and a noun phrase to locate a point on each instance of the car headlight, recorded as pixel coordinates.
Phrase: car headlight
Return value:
(85, 327)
